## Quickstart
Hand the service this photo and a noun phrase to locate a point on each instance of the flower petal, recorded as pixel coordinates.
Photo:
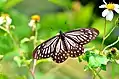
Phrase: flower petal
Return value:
(8, 20)
(109, 16)
(105, 12)
(31, 23)
(117, 10)
(1, 20)
(116, 5)
(102, 6)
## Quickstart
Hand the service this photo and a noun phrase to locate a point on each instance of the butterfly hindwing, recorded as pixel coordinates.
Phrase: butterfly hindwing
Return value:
(73, 48)
(60, 53)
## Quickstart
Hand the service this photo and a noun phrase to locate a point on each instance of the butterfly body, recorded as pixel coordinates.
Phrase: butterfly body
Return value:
(64, 45)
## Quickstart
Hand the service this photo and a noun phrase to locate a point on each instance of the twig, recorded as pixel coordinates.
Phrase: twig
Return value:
(111, 44)
(95, 73)
(104, 35)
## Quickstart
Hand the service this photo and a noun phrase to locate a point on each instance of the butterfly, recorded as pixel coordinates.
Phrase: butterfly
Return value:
(64, 45)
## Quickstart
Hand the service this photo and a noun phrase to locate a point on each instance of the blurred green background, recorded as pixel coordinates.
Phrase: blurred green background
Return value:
(55, 15)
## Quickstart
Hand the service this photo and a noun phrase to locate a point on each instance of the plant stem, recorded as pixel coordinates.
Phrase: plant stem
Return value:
(104, 35)
(11, 36)
(110, 32)
(113, 70)
(33, 69)
(111, 44)
(35, 36)
(34, 45)
(95, 73)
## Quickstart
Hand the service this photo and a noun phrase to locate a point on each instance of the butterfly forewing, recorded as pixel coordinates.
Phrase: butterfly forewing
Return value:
(45, 49)
(66, 44)
(82, 36)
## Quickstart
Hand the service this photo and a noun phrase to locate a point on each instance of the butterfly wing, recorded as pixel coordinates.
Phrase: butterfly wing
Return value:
(71, 45)
(75, 40)
(60, 53)
(82, 36)
(73, 48)
(45, 49)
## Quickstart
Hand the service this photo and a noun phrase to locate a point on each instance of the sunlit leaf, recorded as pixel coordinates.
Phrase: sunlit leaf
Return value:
(18, 61)
(95, 60)
(1, 56)
(64, 3)
(2, 3)
(86, 68)
(25, 40)
(11, 3)
(2, 76)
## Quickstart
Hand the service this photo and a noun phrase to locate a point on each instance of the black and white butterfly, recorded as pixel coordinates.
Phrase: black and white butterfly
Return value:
(64, 45)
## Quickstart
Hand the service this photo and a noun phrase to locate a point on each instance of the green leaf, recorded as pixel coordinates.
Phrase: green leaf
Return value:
(87, 55)
(18, 60)
(86, 68)
(24, 40)
(102, 59)
(2, 3)
(26, 62)
(21, 77)
(64, 3)
(80, 59)
(1, 56)
(2, 76)
(6, 44)
(97, 60)
(93, 62)
(11, 3)
(103, 67)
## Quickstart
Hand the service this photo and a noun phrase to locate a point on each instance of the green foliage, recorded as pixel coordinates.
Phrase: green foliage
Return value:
(2, 3)
(63, 3)
(95, 60)
(19, 40)
(11, 3)
(2, 76)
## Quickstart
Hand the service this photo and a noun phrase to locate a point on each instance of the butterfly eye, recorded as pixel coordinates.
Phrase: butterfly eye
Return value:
(64, 45)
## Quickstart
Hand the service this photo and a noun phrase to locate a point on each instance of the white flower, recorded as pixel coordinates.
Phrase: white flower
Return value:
(8, 20)
(1, 20)
(4, 18)
(31, 23)
(108, 12)
(34, 19)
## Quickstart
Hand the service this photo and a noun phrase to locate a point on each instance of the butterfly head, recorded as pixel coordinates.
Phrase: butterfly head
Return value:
(60, 32)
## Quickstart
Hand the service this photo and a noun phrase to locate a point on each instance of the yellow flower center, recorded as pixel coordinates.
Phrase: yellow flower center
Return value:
(110, 6)
(35, 17)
